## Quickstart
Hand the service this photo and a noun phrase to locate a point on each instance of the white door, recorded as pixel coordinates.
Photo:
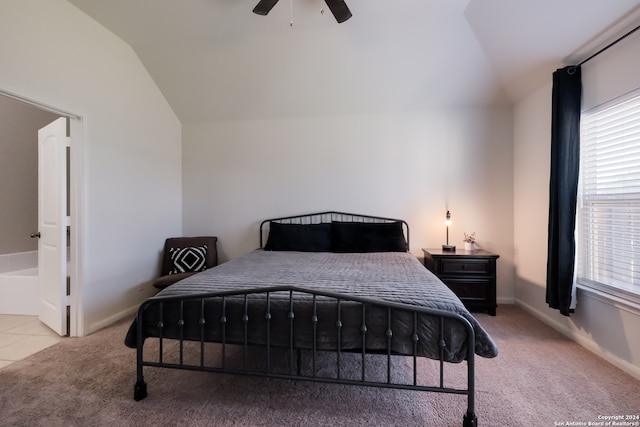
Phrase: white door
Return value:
(52, 224)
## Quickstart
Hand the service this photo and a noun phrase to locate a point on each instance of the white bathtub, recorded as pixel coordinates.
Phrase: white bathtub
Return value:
(30, 272)
(19, 284)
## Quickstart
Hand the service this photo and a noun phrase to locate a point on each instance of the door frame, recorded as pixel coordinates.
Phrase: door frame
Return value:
(76, 306)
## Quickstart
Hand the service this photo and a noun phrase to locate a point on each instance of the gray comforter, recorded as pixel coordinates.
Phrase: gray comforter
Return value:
(391, 276)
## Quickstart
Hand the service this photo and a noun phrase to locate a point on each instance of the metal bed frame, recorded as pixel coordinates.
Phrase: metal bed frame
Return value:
(165, 355)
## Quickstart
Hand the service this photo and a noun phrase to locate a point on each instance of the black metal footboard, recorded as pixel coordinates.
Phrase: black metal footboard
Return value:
(281, 332)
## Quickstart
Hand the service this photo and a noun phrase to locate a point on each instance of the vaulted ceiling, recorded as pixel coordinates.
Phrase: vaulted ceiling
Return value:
(216, 60)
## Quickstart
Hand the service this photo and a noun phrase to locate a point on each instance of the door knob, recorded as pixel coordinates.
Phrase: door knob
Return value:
(34, 235)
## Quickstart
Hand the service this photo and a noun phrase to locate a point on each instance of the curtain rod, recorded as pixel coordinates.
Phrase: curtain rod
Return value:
(619, 39)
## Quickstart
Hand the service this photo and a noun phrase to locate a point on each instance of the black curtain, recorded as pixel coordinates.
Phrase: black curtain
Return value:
(563, 186)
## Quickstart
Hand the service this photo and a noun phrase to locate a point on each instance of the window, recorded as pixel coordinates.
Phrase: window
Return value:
(608, 215)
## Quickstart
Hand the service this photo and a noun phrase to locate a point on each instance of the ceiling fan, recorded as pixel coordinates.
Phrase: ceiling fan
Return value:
(339, 8)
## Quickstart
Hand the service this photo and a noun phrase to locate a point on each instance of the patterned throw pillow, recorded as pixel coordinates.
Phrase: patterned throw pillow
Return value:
(187, 260)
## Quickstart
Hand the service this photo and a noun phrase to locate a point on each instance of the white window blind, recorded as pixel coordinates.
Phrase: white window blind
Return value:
(608, 237)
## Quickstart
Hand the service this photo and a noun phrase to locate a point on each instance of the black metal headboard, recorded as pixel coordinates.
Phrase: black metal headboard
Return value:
(328, 217)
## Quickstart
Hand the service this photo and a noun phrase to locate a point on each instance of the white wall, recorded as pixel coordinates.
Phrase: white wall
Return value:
(130, 173)
(607, 327)
(612, 73)
(407, 165)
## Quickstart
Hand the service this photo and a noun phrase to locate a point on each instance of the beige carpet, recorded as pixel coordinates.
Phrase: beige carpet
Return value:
(540, 378)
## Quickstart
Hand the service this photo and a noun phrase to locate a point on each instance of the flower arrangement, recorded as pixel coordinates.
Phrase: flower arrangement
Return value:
(469, 238)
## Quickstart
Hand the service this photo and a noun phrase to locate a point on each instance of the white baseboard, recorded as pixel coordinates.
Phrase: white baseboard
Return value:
(130, 312)
(583, 341)
(505, 301)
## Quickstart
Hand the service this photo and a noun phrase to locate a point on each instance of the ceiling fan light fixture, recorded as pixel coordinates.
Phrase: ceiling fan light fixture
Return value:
(264, 7)
(339, 9)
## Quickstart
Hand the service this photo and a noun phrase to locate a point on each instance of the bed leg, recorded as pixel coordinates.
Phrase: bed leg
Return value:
(470, 420)
(139, 390)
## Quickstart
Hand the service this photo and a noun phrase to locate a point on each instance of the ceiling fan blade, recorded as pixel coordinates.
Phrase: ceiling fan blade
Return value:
(339, 9)
(264, 6)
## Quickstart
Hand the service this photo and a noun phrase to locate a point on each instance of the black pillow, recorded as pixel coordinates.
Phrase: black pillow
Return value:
(189, 259)
(368, 237)
(299, 237)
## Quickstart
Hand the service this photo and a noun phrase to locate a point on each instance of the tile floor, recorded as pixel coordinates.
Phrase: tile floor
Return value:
(22, 336)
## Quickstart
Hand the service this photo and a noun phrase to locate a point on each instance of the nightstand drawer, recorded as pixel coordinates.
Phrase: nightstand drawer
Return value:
(471, 275)
(465, 266)
(469, 288)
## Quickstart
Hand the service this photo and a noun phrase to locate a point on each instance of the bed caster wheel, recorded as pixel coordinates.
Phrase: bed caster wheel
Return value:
(140, 391)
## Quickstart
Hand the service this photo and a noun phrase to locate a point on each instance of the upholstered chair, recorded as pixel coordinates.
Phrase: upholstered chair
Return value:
(186, 256)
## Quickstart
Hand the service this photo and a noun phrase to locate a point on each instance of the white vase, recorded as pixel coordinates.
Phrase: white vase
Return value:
(469, 246)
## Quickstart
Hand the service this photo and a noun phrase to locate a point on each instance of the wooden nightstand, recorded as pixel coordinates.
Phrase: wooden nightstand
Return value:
(471, 275)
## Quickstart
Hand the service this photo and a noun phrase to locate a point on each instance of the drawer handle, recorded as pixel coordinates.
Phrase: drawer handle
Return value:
(464, 266)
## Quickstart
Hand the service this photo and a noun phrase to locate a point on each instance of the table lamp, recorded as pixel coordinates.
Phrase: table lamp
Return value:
(447, 223)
